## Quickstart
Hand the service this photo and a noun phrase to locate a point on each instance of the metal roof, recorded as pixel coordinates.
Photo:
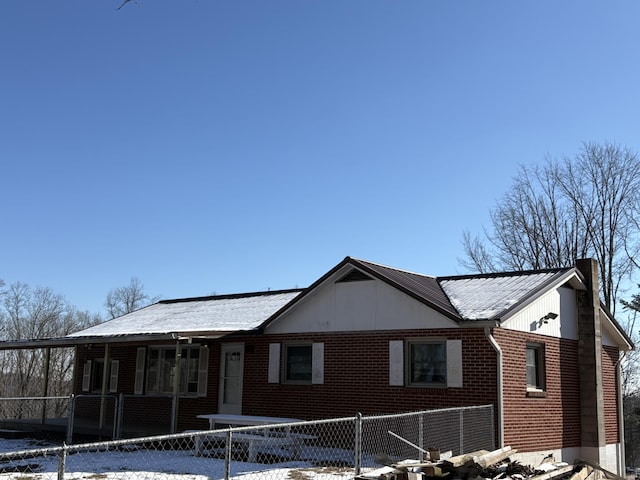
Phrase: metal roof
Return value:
(423, 287)
(488, 297)
(227, 313)
(464, 298)
(468, 297)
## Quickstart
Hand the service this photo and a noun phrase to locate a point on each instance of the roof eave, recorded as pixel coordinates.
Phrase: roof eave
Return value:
(624, 337)
(479, 323)
(74, 341)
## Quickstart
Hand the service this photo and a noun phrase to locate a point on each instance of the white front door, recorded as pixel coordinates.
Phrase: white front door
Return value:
(230, 385)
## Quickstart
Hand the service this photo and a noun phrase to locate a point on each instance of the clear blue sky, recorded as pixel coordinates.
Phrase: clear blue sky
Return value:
(232, 145)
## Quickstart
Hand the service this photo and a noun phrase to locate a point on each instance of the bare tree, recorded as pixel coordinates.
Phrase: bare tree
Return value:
(603, 183)
(36, 313)
(553, 214)
(123, 300)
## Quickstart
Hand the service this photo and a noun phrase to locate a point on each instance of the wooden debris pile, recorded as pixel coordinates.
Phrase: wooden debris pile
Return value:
(495, 465)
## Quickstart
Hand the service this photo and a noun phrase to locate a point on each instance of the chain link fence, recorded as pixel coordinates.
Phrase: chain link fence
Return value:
(333, 448)
(25, 416)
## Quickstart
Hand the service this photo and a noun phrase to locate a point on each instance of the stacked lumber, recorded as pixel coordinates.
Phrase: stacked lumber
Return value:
(494, 465)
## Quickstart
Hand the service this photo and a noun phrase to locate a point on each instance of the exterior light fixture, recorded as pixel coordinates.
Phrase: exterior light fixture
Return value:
(547, 317)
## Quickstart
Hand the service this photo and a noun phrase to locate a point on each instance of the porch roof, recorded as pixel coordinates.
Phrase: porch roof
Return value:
(211, 317)
(202, 315)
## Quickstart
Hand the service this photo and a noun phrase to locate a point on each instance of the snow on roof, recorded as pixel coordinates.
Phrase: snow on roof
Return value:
(485, 297)
(209, 314)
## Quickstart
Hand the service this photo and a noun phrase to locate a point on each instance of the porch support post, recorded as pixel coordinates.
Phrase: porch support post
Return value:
(176, 389)
(103, 393)
(45, 387)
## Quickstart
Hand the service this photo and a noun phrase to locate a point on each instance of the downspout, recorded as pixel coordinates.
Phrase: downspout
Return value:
(496, 347)
(622, 460)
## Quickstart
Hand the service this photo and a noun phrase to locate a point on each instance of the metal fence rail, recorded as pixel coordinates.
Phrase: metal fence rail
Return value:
(333, 448)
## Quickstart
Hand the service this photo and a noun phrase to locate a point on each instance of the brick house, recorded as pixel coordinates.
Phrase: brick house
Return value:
(368, 338)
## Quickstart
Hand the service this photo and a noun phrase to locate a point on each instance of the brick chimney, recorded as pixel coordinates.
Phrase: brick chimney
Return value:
(592, 423)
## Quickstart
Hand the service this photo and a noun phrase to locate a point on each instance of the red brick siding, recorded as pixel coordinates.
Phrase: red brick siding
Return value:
(530, 423)
(356, 377)
(610, 387)
(533, 424)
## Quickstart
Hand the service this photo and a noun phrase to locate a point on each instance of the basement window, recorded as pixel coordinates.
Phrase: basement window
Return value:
(535, 369)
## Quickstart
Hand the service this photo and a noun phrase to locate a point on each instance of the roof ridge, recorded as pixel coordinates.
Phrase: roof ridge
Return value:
(229, 296)
(512, 273)
(392, 268)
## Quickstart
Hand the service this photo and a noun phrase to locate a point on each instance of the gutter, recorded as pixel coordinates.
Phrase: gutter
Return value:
(621, 459)
(496, 347)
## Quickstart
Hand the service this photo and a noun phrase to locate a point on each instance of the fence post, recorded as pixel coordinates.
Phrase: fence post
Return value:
(227, 456)
(62, 462)
(493, 425)
(118, 420)
(461, 431)
(421, 436)
(357, 461)
(71, 414)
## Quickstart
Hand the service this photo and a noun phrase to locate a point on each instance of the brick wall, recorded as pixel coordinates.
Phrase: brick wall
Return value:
(551, 421)
(356, 377)
(610, 356)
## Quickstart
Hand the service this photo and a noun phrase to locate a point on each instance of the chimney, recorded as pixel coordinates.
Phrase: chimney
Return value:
(592, 421)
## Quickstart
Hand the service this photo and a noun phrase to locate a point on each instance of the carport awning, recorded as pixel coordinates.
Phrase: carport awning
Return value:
(63, 342)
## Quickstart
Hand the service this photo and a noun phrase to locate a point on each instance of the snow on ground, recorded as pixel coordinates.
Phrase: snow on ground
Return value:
(143, 464)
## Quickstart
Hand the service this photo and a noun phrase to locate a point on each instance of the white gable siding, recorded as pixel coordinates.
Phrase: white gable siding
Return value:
(561, 301)
(358, 306)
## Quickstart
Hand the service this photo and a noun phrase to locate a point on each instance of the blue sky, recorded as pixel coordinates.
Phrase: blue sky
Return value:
(233, 145)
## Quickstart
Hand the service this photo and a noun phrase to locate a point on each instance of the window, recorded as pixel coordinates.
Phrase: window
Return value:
(427, 363)
(97, 371)
(93, 375)
(298, 363)
(430, 362)
(161, 370)
(535, 367)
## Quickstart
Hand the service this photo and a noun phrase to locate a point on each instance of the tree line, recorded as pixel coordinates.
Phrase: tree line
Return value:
(28, 313)
(562, 209)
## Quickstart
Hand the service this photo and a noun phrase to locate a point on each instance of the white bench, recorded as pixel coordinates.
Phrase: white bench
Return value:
(291, 442)
(267, 438)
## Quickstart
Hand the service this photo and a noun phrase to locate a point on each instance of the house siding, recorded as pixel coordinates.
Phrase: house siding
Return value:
(365, 388)
(533, 424)
(530, 424)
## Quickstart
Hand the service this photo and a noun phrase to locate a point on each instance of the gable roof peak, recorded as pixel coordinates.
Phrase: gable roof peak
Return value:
(361, 262)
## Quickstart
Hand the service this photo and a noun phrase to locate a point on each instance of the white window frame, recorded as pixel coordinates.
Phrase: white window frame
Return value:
(286, 374)
(399, 363)
(535, 367)
(278, 363)
(161, 369)
(438, 370)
